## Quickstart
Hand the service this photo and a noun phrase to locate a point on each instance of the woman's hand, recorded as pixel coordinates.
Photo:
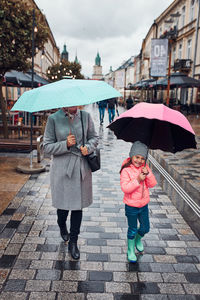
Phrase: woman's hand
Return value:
(84, 150)
(71, 140)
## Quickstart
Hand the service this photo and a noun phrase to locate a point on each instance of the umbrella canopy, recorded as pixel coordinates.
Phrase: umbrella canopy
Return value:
(141, 84)
(16, 78)
(155, 125)
(178, 80)
(65, 93)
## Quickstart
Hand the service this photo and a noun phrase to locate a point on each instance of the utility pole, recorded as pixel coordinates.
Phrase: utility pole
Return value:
(169, 70)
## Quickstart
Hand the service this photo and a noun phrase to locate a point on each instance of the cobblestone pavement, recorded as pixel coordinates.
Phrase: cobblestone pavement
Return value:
(35, 263)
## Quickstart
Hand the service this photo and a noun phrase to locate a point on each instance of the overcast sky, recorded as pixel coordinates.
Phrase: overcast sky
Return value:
(115, 28)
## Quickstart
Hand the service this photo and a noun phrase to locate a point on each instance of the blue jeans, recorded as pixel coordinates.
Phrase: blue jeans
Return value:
(135, 214)
(101, 113)
(111, 113)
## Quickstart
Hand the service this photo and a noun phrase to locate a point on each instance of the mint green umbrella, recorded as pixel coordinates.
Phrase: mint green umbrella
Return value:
(65, 93)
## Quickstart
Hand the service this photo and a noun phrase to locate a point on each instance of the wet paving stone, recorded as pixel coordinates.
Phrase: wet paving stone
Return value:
(155, 250)
(96, 242)
(7, 233)
(48, 275)
(97, 257)
(94, 229)
(91, 287)
(126, 297)
(109, 236)
(145, 288)
(22, 264)
(166, 237)
(13, 224)
(186, 259)
(9, 211)
(192, 277)
(139, 267)
(162, 225)
(7, 261)
(24, 228)
(47, 248)
(15, 285)
(67, 265)
(100, 276)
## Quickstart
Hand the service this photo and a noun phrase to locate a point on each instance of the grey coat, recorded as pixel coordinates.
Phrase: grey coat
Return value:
(70, 174)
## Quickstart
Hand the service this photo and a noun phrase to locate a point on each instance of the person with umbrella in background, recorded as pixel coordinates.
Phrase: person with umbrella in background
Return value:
(70, 174)
(135, 179)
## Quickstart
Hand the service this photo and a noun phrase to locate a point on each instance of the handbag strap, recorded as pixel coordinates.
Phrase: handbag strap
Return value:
(82, 128)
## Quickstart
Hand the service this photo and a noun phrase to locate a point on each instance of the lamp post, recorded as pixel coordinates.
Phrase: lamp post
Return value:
(125, 70)
(32, 85)
(171, 35)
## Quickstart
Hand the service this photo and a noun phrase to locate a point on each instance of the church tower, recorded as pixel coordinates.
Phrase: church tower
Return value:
(76, 59)
(97, 68)
(64, 54)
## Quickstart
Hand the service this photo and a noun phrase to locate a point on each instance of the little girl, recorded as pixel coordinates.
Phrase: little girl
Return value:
(135, 179)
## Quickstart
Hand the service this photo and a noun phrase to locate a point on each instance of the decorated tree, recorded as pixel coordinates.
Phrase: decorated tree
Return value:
(64, 69)
(16, 28)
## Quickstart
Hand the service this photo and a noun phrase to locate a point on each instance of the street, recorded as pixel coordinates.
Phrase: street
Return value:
(35, 263)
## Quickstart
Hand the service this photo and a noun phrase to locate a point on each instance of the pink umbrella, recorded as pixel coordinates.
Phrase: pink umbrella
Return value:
(156, 125)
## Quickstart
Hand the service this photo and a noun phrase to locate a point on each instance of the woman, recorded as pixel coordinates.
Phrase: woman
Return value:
(70, 175)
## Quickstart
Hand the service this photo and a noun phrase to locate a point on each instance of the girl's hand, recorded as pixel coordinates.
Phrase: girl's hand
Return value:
(84, 150)
(141, 177)
(145, 171)
(71, 140)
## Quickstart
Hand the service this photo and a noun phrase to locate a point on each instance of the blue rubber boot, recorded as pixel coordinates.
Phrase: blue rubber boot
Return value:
(131, 251)
(138, 243)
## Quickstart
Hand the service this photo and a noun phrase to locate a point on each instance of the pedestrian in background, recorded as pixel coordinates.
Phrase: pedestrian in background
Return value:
(70, 174)
(102, 106)
(129, 102)
(135, 179)
(112, 103)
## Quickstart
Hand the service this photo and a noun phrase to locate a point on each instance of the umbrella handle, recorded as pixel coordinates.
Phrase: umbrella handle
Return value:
(144, 165)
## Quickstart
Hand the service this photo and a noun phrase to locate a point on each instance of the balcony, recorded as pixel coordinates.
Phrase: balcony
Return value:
(170, 34)
(182, 65)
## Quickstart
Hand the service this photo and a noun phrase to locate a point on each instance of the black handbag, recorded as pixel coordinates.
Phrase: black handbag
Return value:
(93, 158)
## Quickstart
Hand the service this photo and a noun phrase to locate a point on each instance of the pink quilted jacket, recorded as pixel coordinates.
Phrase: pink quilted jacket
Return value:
(134, 193)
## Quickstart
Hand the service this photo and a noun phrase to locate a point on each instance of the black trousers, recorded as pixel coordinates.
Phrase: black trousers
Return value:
(75, 222)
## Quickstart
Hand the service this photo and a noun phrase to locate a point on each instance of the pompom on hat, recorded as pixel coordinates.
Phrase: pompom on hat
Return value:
(138, 148)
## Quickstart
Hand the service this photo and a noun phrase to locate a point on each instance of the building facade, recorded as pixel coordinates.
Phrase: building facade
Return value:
(181, 22)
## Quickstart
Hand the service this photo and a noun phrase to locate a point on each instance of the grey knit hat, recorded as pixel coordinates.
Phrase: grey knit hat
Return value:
(138, 148)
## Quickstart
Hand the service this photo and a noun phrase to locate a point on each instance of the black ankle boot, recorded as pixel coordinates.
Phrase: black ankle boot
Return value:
(64, 233)
(73, 249)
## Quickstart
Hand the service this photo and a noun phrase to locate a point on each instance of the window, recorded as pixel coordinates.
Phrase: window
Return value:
(177, 21)
(189, 47)
(180, 51)
(173, 55)
(192, 10)
(183, 16)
